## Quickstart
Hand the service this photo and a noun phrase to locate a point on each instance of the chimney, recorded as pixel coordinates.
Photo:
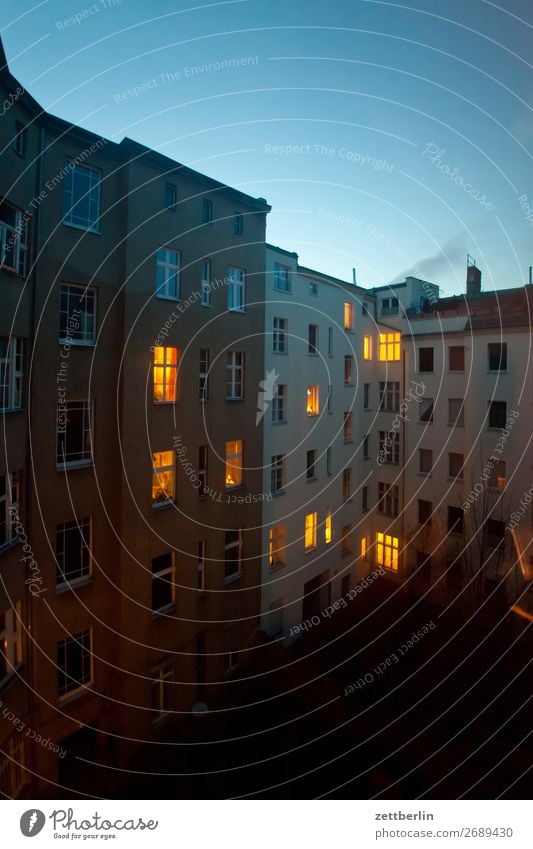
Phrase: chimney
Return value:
(473, 277)
(354, 277)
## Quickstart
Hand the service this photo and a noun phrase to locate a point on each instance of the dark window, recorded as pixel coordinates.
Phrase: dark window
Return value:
(313, 339)
(19, 144)
(162, 582)
(364, 499)
(495, 532)
(74, 662)
(171, 196)
(425, 509)
(497, 414)
(455, 520)
(497, 352)
(426, 410)
(74, 432)
(73, 550)
(311, 465)
(207, 210)
(456, 358)
(366, 396)
(202, 470)
(425, 359)
(238, 223)
(232, 553)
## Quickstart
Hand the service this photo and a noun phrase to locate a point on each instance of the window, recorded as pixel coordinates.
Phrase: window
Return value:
(348, 316)
(495, 532)
(238, 223)
(12, 766)
(203, 385)
(389, 347)
(171, 196)
(73, 551)
(425, 461)
(387, 551)
(497, 476)
(165, 374)
(389, 306)
(346, 484)
(426, 410)
(389, 447)
(281, 277)
(232, 650)
(328, 528)
(74, 432)
(328, 460)
(345, 539)
(167, 273)
(13, 237)
(207, 210)
(161, 692)
(235, 375)
(9, 501)
(329, 399)
(236, 293)
(313, 288)
(202, 470)
(276, 545)
(366, 447)
(11, 372)
(313, 407)
(232, 553)
(456, 412)
(455, 465)
(425, 359)
(163, 476)
(388, 495)
(456, 358)
(10, 640)
(162, 582)
(425, 510)
(497, 353)
(19, 142)
(348, 369)
(279, 335)
(389, 396)
(77, 314)
(366, 396)
(364, 499)
(279, 404)
(311, 465)
(497, 414)
(365, 545)
(310, 531)
(81, 200)
(367, 347)
(455, 520)
(201, 566)
(330, 341)
(312, 339)
(277, 473)
(364, 308)
(347, 427)
(233, 463)
(74, 662)
(205, 282)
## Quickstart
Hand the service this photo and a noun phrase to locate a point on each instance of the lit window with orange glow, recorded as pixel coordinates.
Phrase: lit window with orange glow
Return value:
(348, 316)
(387, 551)
(233, 463)
(165, 374)
(389, 347)
(367, 347)
(364, 548)
(163, 477)
(328, 528)
(310, 531)
(313, 403)
(276, 551)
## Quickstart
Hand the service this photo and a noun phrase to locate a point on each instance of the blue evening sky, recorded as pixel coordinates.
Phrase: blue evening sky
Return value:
(387, 136)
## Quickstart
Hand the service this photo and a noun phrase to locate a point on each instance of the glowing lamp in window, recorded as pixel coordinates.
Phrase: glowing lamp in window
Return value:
(389, 347)
(312, 407)
(233, 463)
(165, 374)
(387, 551)
(310, 531)
(162, 477)
(328, 528)
(367, 347)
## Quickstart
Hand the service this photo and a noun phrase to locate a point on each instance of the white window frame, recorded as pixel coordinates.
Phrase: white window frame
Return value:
(231, 458)
(389, 396)
(279, 404)
(236, 289)
(348, 319)
(205, 282)
(167, 575)
(389, 447)
(203, 386)
(460, 420)
(348, 369)
(170, 372)
(429, 454)
(279, 335)
(84, 300)
(313, 405)
(168, 262)
(159, 687)
(74, 687)
(201, 566)
(83, 528)
(9, 500)
(277, 473)
(235, 365)
(282, 280)
(346, 484)
(388, 499)
(86, 452)
(14, 237)
(92, 196)
(276, 545)
(347, 427)
(11, 374)
(228, 546)
(312, 340)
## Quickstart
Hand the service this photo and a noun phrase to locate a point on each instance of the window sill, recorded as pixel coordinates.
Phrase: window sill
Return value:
(75, 464)
(64, 587)
(164, 403)
(206, 306)
(424, 474)
(276, 567)
(162, 505)
(313, 354)
(239, 311)
(453, 479)
(497, 371)
(96, 231)
(310, 550)
(346, 553)
(285, 291)
(282, 422)
(280, 353)
(174, 298)
(236, 398)
(163, 612)
(9, 545)
(83, 690)
(277, 493)
(77, 343)
(234, 487)
(231, 579)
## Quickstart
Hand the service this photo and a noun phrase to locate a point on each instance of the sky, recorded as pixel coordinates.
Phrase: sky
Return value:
(391, 138)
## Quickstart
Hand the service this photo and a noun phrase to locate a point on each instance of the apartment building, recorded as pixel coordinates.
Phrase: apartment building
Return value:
(131, 477)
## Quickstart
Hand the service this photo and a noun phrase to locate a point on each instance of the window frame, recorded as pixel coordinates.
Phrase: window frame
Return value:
(73, 686)
(279, 335)
(313, 400)
(170, 468)
(170, 373)
(387, 551)
(389, 347)
(93, 223)
(203, 382)
(10, 499)
(310, 531)
(236, 278)
(279, 404)
(87, 459)
(237, 465)
(171, 196)
(12, 371)
(171, 271)
(11, 640)
(68, 291)
(277, 473)
(205, 283)
(282, 272)
(235, 375)
(236, 543)
(160, 575)
(16, 238)
(84, 528)
(276, 536)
